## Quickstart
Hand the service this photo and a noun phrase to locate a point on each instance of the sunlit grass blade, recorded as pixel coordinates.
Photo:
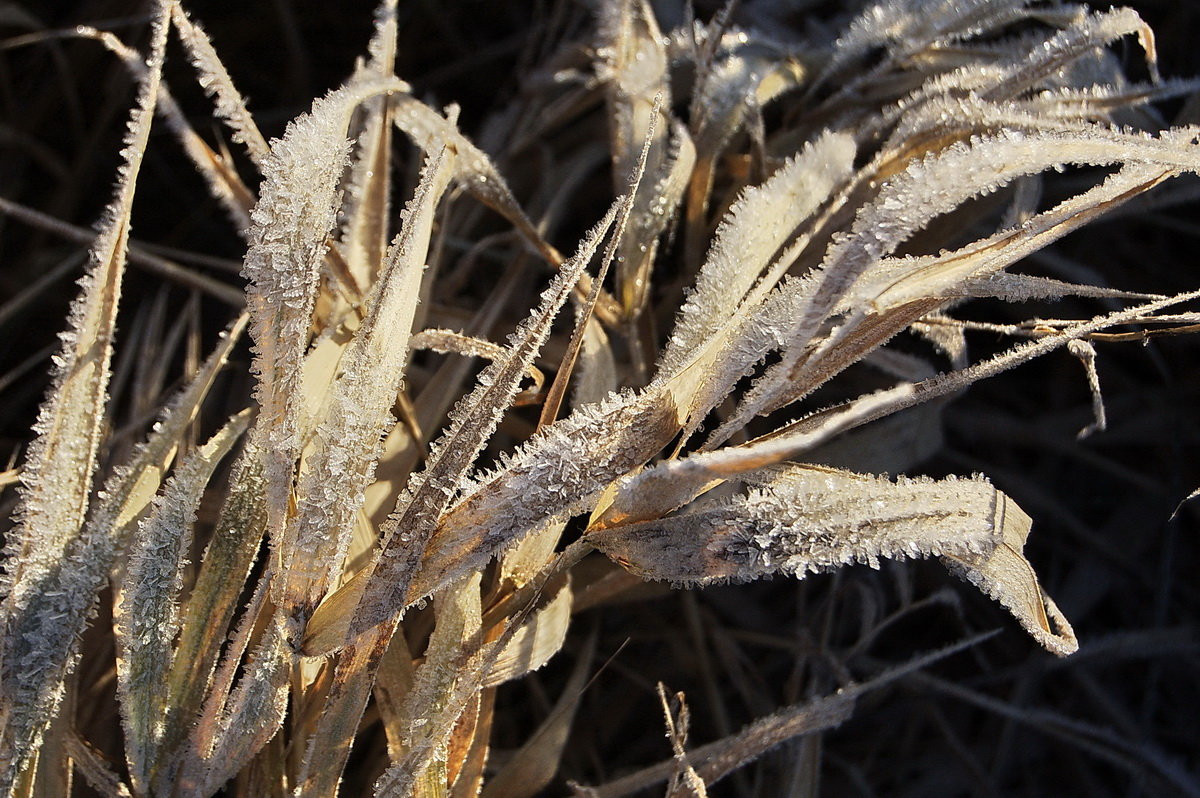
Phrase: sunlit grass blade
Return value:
(57, 477)
(296, 212)
(347, 441)
(146, 618)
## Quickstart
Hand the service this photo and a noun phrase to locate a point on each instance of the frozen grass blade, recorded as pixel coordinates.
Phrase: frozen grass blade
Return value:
(384, 584)
(347, 442)
(364, 233)
(57, 477)
(209, 610)
(230, 105)
(146, 619)
(410, 527)
(295, 214)
(849, 225)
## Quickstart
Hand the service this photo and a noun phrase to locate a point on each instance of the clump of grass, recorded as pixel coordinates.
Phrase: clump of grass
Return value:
(767, 321)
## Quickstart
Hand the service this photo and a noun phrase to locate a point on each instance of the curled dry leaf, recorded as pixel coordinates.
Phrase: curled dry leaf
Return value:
(807, 519)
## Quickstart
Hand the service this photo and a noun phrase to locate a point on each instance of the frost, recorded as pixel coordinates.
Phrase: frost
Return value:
(750, 235)
(38, 649)
(350, 437)
(146, 618)
(295, 213)
(229, 106)
(807, 519)
(407, 531)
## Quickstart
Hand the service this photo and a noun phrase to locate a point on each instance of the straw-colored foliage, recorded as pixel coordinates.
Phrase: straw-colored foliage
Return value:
(782, 210)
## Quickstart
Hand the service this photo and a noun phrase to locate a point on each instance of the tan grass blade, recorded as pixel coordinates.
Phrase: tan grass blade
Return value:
(146, 619)
(669, 485)
(411, 525)
(450, 342)
(535, 763)
(58, 473)
(292, 220)
(1096, 30)
(223, 181)
(716, 760)
(429, 130)
(886, 403)
(749, 237)
(457, 683)
(898, 285)
(432, 695)
(731, 92)
(545, 482)
(894, 282)
(534, 642)
(230, 106)
(126, 494)
(347, 441)
(806, 519)
(384, 584)
(900, 26)
(91, 765)
(393, 681)
(1007, 577)
(366, 209)
(632, 62)
(905, 204)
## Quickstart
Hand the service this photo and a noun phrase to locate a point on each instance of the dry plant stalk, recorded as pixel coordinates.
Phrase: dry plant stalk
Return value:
(806, 245)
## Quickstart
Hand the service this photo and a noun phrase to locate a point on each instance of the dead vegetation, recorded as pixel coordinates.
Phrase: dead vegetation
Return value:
(693, 304)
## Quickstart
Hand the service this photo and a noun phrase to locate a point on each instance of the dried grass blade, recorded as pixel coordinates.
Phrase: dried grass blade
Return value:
(230, 106)
(925, 190)
(385, 584)
(545, 483)
(353, 680)
(295, 213)
(254, 712)
(348, 439)
(58, 472)
(470, 661)
(716, 760)
(894, 282)
(1093, 32)
(393, 681)
(364, 235)
(1006, 576)
(94, 769)
(632, 61)
(536, 762)
(534, 642)
(806, 519)
(409, 529)
(449, 342)
(750, 235)
(210, 608)
(126, 494)
(883, 301)
(429, 710)
(223, 180)
(145, 619)
(669, 485)
(429, 130)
